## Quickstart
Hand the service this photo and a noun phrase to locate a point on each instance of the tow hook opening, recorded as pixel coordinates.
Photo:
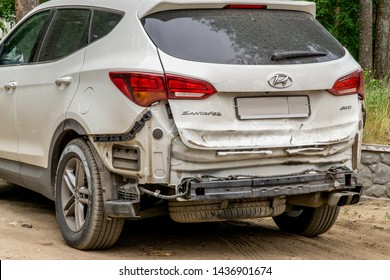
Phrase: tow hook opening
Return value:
(200, 191)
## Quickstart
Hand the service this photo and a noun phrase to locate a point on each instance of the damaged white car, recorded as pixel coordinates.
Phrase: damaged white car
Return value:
(201, 109)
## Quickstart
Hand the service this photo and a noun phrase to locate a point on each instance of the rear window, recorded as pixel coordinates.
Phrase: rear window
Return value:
(242, 36)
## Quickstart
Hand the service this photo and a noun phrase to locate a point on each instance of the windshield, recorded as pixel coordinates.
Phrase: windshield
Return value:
(242, 36)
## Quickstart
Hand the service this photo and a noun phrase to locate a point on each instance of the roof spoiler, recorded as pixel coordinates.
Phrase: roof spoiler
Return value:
(154, 6)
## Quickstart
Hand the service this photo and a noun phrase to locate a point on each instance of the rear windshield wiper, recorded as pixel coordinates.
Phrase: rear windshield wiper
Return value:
(295, 54)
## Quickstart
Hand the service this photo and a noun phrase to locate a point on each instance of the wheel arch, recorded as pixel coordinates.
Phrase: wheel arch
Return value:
(67, 131)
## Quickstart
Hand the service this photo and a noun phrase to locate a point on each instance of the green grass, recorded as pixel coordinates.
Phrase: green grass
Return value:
(377, 101)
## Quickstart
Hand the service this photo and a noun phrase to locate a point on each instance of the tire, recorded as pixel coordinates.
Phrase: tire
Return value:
(308, 221)
(210, 211)
(79, 200)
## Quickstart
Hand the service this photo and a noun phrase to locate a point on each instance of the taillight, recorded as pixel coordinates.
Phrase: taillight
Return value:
(245, 6)
(184, 88)
(142, 89)
(145, 89)
(350, 84)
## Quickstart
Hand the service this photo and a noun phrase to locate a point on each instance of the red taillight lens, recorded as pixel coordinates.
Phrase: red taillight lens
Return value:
(145, 89)
(243, 6)
(350, 84)
(185, 88)
(142, 89)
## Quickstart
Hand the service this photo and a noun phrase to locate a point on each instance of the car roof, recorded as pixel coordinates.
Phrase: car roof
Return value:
(145, 7)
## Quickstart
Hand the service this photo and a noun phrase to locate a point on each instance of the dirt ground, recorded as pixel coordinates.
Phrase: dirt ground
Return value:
(28, 230)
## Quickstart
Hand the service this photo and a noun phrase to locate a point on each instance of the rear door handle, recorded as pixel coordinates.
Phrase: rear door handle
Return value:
(63, 81)
(11, 86)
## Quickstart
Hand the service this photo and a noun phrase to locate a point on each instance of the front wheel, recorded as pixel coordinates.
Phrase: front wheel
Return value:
(79, 200)
(308, 221)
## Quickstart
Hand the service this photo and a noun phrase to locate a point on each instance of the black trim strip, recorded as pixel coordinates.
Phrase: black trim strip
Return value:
(126, 136)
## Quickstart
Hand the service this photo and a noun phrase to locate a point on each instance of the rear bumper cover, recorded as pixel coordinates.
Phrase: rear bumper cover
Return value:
(335, 179)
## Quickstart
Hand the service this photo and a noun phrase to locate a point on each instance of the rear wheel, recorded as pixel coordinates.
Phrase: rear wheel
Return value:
(79, 200)
(308, 221)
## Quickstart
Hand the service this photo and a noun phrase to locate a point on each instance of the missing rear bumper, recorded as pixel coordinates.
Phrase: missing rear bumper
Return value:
(206, 188)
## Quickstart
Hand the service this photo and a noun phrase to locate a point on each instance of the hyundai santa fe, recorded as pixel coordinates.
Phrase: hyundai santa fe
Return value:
(204, 110)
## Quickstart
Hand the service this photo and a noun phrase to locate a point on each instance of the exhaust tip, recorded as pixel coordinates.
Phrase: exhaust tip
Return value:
(337, 199)
(343, 200)
(355, 198)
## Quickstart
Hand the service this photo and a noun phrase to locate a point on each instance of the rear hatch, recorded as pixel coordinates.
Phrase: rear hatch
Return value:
(280, 79)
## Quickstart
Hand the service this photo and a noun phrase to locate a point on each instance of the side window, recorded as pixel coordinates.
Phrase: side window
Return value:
(68, 32)
(102, 23)
(19, 47)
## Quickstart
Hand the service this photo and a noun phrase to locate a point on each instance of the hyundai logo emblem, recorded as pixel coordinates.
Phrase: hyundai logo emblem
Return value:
(280, 81)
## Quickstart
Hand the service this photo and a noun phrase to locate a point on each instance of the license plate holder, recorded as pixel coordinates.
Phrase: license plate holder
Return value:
(272, 107)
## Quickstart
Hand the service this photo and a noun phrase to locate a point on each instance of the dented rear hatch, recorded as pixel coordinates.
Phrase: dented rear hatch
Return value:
(279, 80)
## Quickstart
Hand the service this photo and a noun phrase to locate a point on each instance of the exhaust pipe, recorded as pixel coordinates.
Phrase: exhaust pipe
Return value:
(337, 199)
(353, 197)
(343, 198)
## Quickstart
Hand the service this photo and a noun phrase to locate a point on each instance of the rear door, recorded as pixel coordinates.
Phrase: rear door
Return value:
(48, 86)
(271, 69)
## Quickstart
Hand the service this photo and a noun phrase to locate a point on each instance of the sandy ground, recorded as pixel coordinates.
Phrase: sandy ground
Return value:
(28, 230)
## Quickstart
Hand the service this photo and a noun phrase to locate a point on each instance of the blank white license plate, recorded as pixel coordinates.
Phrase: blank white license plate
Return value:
(276, 107)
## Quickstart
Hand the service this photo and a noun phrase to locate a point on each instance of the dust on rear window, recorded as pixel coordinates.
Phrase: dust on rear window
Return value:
(242, 36)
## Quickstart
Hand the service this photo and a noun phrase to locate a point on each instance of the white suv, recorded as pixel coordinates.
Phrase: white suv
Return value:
(204, 109)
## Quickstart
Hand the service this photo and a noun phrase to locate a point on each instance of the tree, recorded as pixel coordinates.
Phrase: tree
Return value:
(7, 13)
(22, 7)
(382, 43)
(7, 9)
(341, 18)
(366, 43)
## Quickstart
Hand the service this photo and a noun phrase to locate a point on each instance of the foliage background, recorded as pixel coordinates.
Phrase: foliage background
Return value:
(7, 12)
(341, 18)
